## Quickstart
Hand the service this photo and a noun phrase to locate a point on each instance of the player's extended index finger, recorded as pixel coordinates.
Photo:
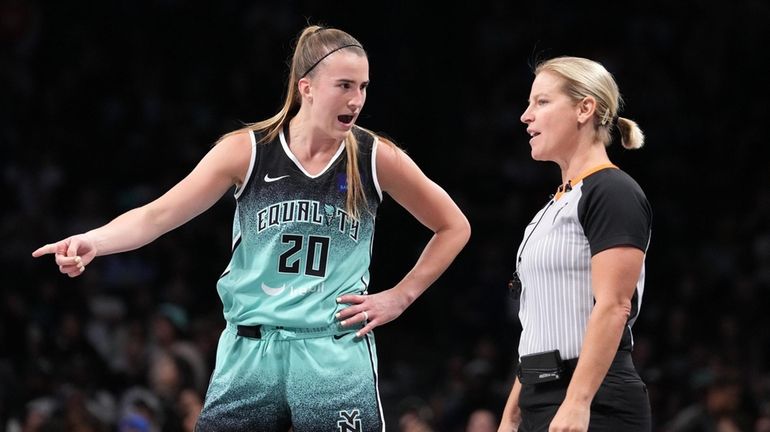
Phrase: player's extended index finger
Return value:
(44, 250)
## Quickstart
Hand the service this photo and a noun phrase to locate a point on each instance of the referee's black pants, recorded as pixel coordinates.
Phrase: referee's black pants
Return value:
(620, 404)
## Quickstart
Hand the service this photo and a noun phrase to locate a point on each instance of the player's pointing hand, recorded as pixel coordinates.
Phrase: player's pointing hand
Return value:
(71, 254)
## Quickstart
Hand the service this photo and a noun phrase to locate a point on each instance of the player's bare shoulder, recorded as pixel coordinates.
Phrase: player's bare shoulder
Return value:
(233, 154)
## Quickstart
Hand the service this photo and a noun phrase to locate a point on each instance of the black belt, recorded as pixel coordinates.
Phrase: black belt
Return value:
(253, 332)
(260, 331)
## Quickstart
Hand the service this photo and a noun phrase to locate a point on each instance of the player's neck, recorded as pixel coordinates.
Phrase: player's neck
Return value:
(304, 139)
(312, 152)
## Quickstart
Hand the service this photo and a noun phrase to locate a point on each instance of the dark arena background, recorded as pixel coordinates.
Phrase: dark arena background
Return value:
(105, 105)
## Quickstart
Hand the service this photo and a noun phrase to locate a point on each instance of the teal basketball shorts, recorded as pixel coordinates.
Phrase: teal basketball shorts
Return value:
(277, 378)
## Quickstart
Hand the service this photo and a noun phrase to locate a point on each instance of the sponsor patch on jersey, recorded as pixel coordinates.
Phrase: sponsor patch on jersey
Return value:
(319, 288)
(293, 291)
(273, 291)
(342, 182)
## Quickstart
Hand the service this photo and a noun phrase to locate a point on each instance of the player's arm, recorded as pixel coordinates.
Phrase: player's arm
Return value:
(403, 180)
(223, 166)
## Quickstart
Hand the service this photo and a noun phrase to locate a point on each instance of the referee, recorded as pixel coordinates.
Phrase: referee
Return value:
(580, 266)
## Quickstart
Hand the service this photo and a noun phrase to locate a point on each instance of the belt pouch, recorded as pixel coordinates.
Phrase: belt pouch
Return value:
(541, 367)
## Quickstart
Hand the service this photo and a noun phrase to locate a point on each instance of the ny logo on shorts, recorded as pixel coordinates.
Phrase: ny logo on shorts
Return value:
(350, 421)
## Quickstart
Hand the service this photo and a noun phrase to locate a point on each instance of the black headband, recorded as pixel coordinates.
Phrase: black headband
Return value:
(327, 55)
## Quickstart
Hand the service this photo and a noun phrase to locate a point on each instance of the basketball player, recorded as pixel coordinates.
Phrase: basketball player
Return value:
(298, 351)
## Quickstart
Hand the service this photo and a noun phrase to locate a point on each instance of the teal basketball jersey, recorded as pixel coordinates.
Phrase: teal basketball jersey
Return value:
(295, 247)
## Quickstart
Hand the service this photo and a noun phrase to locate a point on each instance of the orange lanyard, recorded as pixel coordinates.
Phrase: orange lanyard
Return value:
(562, 189)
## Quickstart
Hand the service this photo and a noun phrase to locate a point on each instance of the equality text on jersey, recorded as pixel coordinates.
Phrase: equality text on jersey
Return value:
(307, 211)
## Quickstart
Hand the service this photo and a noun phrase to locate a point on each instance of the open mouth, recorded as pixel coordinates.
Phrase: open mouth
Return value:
(347, 119)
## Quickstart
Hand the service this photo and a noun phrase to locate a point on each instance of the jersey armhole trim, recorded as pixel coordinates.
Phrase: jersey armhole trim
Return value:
(239, 190)
(375, 180)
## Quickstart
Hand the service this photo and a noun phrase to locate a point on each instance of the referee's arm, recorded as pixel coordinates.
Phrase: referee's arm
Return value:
(511, 413)
(614, 274)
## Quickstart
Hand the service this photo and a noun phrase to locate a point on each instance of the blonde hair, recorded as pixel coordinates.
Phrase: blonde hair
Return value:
(313, 45)
(583, 78)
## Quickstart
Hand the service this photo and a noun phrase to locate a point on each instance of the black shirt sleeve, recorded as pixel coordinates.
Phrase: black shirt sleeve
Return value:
(614, 211)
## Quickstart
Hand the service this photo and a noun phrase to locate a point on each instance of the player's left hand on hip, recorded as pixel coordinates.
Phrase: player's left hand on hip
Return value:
(369, 310)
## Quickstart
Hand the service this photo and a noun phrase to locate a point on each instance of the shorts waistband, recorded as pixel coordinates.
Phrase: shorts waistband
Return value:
(262, 331)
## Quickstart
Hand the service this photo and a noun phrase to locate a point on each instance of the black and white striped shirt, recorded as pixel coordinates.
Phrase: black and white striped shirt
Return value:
(607, 208)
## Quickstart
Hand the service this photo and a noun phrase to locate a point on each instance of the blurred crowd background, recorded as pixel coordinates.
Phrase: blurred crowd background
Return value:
(105, 105)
